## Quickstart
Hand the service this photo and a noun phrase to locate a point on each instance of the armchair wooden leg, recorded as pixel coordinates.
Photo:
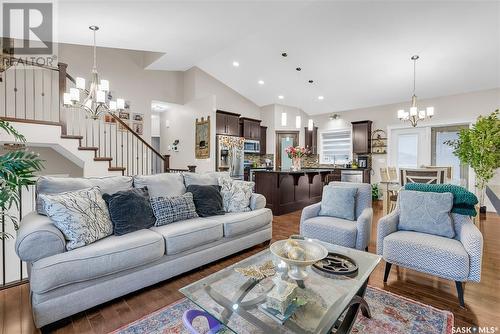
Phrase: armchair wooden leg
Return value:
(460, 292)
(387, 271)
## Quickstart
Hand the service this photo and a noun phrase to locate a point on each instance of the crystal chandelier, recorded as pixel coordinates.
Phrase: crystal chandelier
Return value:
(415, 115)
(94, 100)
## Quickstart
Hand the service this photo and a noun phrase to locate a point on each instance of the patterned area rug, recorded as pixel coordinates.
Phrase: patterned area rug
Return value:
(390, 314)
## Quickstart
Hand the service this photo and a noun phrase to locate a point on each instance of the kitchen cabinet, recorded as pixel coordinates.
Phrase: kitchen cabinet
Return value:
(263, 139)
(250, 128)
(227, 123)
(361, 137)
(311, 139)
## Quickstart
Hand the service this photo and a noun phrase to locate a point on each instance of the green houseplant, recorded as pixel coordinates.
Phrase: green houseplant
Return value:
(375, 192)
(17, 169)
(479, 147)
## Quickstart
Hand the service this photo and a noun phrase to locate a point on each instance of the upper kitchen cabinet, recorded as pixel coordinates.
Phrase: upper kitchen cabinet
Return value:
(227, 123)
(361, 134)
(250, 128)
(311, 139)
(263, 139)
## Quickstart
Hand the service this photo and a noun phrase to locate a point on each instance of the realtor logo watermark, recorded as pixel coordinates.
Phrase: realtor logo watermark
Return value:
(31, 25)
(475, 330)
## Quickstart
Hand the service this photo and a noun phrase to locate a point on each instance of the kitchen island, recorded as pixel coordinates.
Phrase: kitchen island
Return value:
(288, 191)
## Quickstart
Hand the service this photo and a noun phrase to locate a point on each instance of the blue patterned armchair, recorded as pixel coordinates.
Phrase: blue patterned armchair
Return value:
(347, 233)
(457, 259)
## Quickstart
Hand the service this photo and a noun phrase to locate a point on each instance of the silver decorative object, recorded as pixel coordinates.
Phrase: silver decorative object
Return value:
(313, 252)
(266, 269)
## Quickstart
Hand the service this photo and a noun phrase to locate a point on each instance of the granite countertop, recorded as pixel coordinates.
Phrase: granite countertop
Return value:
(302, 171)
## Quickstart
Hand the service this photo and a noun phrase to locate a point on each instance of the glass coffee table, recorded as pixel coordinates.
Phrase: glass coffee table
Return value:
(332, 303)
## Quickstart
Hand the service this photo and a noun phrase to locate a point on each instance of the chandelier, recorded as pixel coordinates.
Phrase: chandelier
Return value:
(94, 100)
(415, 115)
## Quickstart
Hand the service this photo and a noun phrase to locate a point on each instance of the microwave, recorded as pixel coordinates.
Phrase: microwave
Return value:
(251, 146)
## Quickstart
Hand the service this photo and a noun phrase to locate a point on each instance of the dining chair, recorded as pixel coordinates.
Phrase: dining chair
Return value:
(422, 175)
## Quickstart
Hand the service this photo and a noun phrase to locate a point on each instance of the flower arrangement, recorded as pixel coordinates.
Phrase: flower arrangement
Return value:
(296, 153)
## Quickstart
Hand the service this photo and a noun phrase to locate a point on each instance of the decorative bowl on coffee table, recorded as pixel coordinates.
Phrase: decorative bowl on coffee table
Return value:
(313, 252)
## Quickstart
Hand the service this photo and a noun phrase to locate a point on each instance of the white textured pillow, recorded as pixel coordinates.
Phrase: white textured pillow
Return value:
(235, 194)
(82, 216)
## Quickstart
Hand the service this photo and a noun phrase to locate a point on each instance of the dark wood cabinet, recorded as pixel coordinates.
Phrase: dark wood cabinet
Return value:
(311, 139)
(227, 123)
(263, 139)
(361, 137)
(250, 128)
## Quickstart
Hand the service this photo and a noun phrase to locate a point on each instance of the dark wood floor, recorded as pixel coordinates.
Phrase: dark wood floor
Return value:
(482, 300)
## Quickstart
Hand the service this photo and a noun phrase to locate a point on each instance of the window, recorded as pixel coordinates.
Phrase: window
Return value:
(408, 150)
(336, 147)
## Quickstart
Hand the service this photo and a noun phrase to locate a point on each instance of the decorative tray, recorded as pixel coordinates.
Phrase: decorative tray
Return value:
(335, 265)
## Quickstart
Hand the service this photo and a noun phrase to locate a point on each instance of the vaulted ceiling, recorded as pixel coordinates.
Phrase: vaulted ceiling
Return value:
(356, 52)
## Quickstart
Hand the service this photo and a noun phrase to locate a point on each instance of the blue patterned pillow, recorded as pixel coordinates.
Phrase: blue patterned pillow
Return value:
(171, 209)
(426, 212)
(338, 202)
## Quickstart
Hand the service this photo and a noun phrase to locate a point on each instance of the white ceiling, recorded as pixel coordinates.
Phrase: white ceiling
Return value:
(358, 53)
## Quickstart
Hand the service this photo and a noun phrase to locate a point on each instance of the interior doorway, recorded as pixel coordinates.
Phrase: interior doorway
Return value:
(285, 139)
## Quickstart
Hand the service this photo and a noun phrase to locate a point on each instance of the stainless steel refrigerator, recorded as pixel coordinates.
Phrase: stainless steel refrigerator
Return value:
(230, 156)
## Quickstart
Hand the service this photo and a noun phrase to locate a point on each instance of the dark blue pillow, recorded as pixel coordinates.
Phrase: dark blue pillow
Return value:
(130, 210)
(207, 200)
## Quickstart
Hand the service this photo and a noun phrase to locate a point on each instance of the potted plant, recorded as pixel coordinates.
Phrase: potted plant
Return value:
(375, 192)
(479, 147)
(296, 154)
(17, 168)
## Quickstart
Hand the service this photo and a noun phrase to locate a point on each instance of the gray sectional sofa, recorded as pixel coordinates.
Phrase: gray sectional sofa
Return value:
(64, 282)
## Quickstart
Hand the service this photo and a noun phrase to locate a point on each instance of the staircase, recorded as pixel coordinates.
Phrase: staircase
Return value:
(31, 98)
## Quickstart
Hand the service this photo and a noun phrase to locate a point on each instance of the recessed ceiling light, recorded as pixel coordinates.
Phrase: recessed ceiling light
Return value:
(281, 97)
(284, 54)
(260, 82)
(321, 97)
(236, 64)
(311, 81)
(298, 69)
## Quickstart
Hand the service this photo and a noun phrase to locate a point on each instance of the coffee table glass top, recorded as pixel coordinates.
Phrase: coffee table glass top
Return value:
(234, 299)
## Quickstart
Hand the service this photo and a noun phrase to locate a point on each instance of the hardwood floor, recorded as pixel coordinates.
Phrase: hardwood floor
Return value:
(482, 300)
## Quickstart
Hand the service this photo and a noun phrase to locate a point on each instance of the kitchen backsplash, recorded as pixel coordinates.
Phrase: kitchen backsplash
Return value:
(259, 159)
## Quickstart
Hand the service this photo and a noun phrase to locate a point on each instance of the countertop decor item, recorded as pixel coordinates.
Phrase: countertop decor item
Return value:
(335, 265)
(262, 271)
(313, 252)
(281, 296)
(296, 153)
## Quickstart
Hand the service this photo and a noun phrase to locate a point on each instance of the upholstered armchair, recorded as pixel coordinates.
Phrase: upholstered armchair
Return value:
(457, 259)
(343, 232)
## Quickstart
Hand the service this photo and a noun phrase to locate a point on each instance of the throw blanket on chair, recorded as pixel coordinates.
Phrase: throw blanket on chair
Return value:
(463, 200)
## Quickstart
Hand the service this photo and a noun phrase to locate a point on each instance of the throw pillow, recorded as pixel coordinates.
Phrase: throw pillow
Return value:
(57, 185)
(82, 216)
(207, 200)
(236, 194)
(130, 210)
(171, 209)
(339, 202)
(426, 212)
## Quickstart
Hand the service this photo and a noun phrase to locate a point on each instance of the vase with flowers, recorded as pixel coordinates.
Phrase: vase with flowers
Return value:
(296, 153)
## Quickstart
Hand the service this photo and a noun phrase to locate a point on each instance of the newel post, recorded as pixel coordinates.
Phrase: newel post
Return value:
(166, 163)
(192, 169)
(62, 89)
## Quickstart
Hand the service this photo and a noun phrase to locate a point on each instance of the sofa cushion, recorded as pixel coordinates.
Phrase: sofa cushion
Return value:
(130, 210)
(104, 257)
(161, 185)
(187, 234)
(81, 215)
(207, 200)
(56, 185)
(338, 202)
(426, 212)
(330, 229)
(432, 254)
(205, 179)
(236, 223)
(236, 194)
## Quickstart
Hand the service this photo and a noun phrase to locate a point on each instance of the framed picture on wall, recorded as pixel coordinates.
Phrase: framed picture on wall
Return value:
(138, 117)
(138, 128)
(109, 119)
(124, 115)
(202, 139)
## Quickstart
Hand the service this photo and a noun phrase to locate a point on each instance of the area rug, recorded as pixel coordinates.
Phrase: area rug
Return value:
(390, 314)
